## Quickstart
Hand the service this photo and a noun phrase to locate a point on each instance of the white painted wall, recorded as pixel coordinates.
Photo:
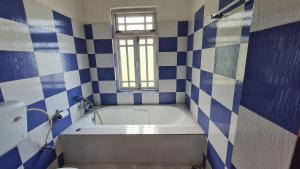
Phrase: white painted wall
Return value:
(193, 6)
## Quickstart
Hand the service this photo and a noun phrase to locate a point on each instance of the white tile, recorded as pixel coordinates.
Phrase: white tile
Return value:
(102, 31)
(94, 74)
(182, 44)
(90, 46)
(75, 113)
(38, 15)
(87, 89)
(204, 102)
(271, 13)
(58, 146)
(150, 97)
(107, 87)
(180, 97)
(208, 166)
(223, 90)
(65, 43)
(167, 29)
(167, 58)
(57, 102)
(21, 167)
(104, 60)
(48, 63)
(181, 72)
(27, 90)
(273, 145)
(72, 79)
(211, 7)
(240, 72)
(14, 36)
(34, 141)
(125, 98)
(232, 130)
(230, 28)
(191, 26)
(208, 59)
(194, 110)
(198, 39)
(78, 29)
(218, 140)
(188, 87)
(167, 85)
(53, 165)
(196, 77)
(83, 61)
(97, 99)
(189, 61)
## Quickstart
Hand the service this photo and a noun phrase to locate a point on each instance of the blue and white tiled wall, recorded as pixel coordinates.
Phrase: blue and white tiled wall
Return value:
(171, 66)
(217, 51)
(44, 63)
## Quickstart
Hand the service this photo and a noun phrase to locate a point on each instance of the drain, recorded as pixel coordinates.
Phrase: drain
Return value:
(78, 129)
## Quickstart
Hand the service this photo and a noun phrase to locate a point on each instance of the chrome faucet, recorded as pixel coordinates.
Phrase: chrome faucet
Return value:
(85, 104)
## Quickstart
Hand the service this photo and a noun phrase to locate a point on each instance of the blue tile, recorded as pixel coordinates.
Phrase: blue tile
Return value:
(197, 59)
(95, 86)
(226, 60)
(92, 60)
(182, 28)
(41, 159)
(180, 85)
(69, 62)
(1, 96)
(221, 116)
(106, 74)
(35, 118)
(60, 125)
(137, 98)
(188, 73)
(80, 45)
(17, 65)
(190, 43)
(72, 94)
(168, 44)
(167, 98)
(63, 24)
(108, 99)
(187, 101)
(237, 96)
(60, 159)
(229, 155)
(195, 93)
(167, 72)
(272, 83)
(209, 36)
(223, 3)
(53, 84)
(103, 46)
(203, 120)
(88, 30)
(213, 157)
(85, 75)
(11, 159)
(206, 80)
(181, 58)
(13, 10)
(199, 15)
(246, 20)
(43, 40)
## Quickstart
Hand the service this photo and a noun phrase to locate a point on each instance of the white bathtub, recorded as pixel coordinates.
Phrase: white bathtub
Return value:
(150, 134)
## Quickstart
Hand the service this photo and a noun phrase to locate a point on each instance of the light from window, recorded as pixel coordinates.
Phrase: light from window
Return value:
(134, 23)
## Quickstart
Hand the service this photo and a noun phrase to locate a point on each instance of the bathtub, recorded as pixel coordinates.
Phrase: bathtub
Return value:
(129, 134)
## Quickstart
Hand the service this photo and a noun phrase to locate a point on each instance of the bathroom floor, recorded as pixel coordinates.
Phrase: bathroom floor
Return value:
(116, 166)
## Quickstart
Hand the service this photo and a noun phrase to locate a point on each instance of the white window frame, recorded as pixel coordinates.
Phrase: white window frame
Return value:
(135, 35)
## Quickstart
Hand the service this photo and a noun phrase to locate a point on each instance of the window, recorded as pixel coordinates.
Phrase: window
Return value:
(135, 40)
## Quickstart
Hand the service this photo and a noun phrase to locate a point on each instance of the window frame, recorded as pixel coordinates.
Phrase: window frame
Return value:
(135, 35)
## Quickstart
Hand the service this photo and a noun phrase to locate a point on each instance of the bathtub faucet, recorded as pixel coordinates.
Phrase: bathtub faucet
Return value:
(85, 104)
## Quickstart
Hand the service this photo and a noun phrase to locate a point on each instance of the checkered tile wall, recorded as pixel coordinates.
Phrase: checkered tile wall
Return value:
(171, 66)
(216, 59)
(44, 62)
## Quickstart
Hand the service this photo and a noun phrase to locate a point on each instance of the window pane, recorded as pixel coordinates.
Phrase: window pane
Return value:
(132, 84)
(121, 28)
(131, 64)
(149, 26)
(125, 84)
(123, 58)
(150, 54)
(149, 41)
(135, 27)
(143, 63)
(121, 20)
(135, 19)
(149, 19)
(122, 42)
(142, 41)
(129, 42)
(151, 84)
(144, 84)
